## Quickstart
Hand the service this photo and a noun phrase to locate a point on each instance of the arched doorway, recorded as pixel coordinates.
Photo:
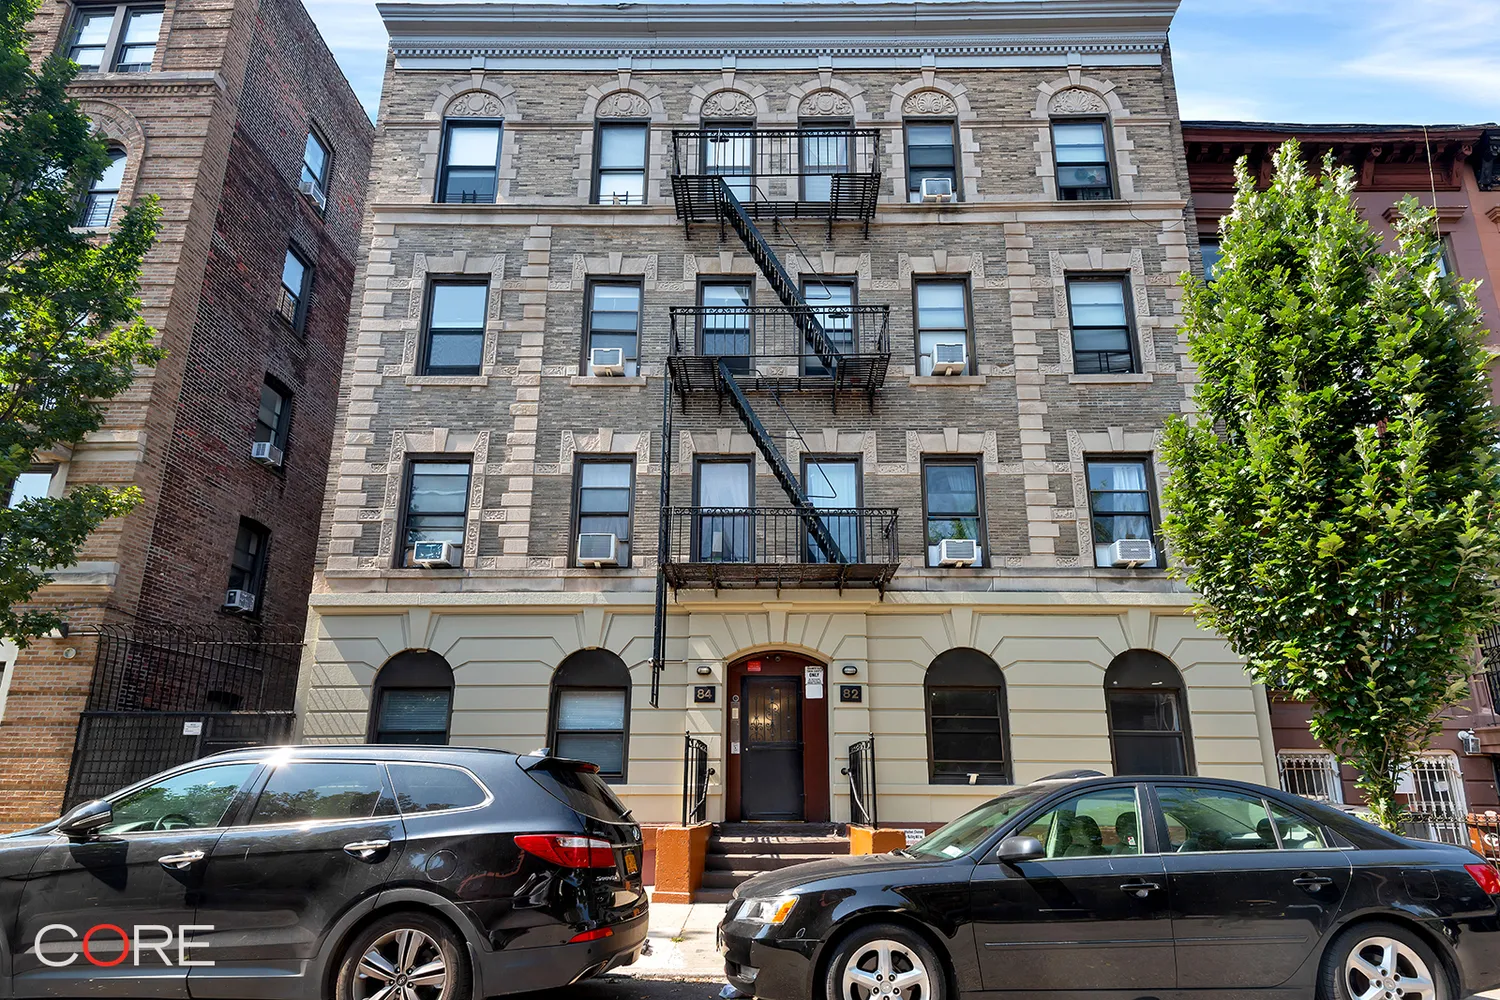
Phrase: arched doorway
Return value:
(777, 768)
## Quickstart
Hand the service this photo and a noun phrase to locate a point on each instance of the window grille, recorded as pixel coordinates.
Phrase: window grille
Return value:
(1312, 775)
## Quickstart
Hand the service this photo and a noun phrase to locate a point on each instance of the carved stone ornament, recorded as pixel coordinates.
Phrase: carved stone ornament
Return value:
(929, 102)
(475, 105)
(1077, 102)
(728, 104)
(623, 104)
(829, 103)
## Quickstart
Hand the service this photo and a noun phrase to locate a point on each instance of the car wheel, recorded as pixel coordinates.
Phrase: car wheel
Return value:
(1380, 961)
(884, 962)
(405, 956)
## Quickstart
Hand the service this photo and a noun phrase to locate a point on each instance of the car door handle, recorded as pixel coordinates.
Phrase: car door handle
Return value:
(1141, 889)
(178, 862)
(1312, 881)
(366, 850)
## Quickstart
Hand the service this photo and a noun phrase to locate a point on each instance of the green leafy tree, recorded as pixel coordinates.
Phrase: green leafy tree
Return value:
(70, 333)
(1335, 502)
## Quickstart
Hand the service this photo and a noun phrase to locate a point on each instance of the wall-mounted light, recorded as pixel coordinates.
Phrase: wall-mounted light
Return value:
(850, 670)
(705, 670)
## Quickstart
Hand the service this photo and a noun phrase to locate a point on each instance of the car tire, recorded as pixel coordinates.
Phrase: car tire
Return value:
(1382, 961)
(885, 962)
(407, 949)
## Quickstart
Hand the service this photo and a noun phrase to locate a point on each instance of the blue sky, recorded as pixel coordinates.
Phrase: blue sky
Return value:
(1406, 61)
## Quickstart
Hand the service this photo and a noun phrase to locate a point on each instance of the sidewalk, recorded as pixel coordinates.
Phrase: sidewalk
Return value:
(682, 944)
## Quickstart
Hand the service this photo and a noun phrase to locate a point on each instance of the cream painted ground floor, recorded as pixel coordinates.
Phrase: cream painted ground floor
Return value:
(780, 687)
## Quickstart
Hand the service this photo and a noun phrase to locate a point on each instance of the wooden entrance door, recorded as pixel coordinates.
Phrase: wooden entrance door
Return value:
(778, 741)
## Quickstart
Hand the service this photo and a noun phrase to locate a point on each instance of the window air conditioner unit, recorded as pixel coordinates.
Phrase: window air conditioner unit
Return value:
(958, 552)
(607, 361)
(266, 453)
(313, 191)
(1131, 552)
(239, 600)
(598, 548)
(937, 189)
(433, 555)
(950, 359)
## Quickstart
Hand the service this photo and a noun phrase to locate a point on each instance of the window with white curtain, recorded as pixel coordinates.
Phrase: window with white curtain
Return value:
(1119, 504)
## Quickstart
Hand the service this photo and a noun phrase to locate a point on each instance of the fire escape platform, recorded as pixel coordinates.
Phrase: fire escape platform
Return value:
(851, 198)
(758, 547)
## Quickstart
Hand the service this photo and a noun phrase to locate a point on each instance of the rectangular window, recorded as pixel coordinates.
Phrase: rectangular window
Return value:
(832, 301)
(1312, 774)
(943, 322)
(723, 494)
(620, 171)
(1446, 266)
(591, 727)
(1146, 727)
(825, 152)
(296, 283)
(726, 329)
(1102, 340)
(471, 162)
(33, 484)
(954, 505)
(832, 484)
(315, 162)
(1210, 251)
(121, 38)
(929, 153)
(614, 320)
(729, 152)
(966, 735)
(1082, 156)
(1120, 505)
(274, 416)
(414, 716)
(247, 567)
(99, 203)
(453, 342)
(437, 505)
(604, 490)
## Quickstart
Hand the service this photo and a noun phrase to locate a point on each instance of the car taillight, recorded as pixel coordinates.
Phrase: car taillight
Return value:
(593, 935)
(567, 850)
(1486, 876)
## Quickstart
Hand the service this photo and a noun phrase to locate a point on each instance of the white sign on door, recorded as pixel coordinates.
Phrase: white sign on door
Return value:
(813, 677)
(192, 729)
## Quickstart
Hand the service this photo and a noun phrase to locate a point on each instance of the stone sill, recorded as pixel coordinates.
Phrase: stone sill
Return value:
(947, 380)
(1137, 378)
(608, 381)
(458, 381)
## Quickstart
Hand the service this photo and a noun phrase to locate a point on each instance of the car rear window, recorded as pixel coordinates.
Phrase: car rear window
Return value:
(581, 790)
(304, 790)
(428, 788)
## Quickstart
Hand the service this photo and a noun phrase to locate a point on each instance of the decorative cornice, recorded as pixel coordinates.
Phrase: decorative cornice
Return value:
(467, 48)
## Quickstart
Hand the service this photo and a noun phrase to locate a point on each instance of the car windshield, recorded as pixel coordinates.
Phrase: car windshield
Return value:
(975, 826)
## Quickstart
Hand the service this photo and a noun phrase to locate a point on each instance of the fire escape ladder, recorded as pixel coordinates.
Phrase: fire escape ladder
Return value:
(806, 320)
(816, 529)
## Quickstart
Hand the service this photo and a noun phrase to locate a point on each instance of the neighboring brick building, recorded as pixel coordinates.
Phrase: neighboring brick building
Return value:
(1460, 167)
(572, 202)
(209, 104)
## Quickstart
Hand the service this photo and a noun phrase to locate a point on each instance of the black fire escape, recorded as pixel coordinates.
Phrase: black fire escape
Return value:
(749, 356)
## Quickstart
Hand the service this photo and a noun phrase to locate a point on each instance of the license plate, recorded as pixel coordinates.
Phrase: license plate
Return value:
(631, 865)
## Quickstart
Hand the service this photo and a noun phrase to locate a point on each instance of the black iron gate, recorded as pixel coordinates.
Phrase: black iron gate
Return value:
(160, 698)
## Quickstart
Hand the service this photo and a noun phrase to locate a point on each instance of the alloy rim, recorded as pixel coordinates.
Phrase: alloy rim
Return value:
(1382, 968)
(405, 964)
(886, 970)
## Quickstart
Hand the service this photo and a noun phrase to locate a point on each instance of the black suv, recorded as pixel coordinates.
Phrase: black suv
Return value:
(359, 872)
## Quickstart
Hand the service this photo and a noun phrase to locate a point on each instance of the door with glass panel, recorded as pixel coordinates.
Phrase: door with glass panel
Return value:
(726, 331)
(728, 151)
(832, 303)
(825, 152)
(723, 532)
(832, 484)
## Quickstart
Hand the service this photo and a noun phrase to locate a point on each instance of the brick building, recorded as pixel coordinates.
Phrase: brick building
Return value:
(864, 344)
(235, 115)
(1459, 166)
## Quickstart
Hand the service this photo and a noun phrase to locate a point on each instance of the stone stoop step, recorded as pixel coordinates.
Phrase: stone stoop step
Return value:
(738, 851)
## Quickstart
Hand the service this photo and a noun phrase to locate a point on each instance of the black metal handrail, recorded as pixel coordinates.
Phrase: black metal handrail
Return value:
(1490, 681)
(861, 772)
(812, 151)
(774, 332)
(695, 775)
(778, 535)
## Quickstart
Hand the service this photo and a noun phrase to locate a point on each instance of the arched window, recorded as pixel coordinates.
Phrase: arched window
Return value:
(967, 737)
(1148, 717)
(99, 203)
(413, 700)
(590, 718)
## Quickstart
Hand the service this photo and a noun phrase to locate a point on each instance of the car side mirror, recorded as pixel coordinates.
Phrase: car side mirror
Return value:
(1014, 849)
(86, 820)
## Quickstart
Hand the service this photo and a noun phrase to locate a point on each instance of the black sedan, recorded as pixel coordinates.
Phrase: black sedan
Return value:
(1141, 887)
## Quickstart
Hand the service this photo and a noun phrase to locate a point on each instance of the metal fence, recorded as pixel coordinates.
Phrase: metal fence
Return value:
(695, 775)
(861, 772)
(779, 535)
(755, 336)
(743, 154)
